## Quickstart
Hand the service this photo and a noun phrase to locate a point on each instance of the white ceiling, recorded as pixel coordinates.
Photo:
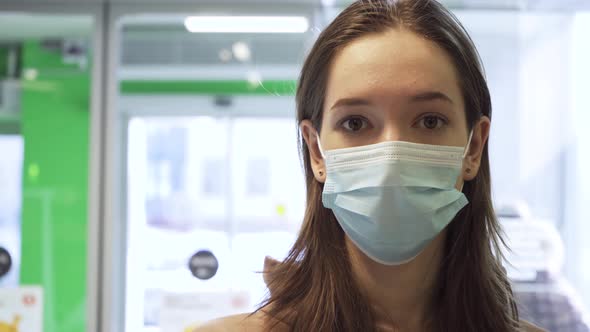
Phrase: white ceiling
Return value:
(319, 2)
(161, 2)
(484, 4)
(21, 25)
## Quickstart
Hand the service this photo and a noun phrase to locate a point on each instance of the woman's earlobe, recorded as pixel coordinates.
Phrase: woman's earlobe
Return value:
(316, 160)
(470, 170)
(475, 150)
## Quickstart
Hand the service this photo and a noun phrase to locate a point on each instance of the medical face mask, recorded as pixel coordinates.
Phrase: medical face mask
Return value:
(393, 198)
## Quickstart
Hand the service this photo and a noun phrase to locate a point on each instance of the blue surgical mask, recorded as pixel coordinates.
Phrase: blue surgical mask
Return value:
(393, 198)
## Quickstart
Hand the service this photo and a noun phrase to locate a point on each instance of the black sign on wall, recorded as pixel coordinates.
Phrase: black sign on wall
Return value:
(5, 262)
(203, 265)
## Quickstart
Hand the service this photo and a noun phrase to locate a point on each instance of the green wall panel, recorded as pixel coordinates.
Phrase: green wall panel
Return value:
(55, 127)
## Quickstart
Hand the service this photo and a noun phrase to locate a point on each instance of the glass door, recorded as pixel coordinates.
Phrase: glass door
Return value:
(209, 173)
(209, 197)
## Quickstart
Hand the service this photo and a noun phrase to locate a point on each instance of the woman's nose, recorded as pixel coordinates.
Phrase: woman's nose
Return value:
(392, 133)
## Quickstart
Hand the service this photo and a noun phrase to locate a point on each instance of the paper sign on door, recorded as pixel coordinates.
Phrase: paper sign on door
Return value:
(21, 309)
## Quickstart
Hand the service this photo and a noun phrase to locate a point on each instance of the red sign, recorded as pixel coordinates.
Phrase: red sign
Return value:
(29, 300)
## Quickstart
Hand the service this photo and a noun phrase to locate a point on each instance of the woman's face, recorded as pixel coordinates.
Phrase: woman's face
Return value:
(392, 86)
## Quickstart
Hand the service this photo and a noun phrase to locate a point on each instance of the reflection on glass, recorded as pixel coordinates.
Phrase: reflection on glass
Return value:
(11, 165)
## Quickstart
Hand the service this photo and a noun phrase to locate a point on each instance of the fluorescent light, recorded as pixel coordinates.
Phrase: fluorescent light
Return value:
(246, 24)
(242, 51)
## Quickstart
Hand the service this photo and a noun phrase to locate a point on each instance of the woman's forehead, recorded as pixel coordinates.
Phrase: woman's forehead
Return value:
(396, 63)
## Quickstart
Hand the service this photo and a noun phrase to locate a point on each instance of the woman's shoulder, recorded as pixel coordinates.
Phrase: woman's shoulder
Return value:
(528, 327)
(256, 322)
(243, 323)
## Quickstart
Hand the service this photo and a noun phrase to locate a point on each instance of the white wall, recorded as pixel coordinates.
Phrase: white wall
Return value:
(577, 197)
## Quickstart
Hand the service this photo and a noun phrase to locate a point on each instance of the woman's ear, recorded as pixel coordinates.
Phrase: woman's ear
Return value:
(311, 136)
(472, 160)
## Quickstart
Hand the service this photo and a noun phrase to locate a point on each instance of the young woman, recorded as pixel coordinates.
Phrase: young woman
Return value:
(399, 233)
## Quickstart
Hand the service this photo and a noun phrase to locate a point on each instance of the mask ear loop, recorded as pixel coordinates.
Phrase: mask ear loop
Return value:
(465, 153)
(320, 146)
(321, 151)
(468, 144)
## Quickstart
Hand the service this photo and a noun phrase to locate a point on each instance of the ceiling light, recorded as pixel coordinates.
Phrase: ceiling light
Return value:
(246, 24)
(241, 51)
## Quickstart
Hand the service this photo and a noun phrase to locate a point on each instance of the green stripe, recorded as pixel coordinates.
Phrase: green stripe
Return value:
(218, 87)
(10, 118)
(3, 61)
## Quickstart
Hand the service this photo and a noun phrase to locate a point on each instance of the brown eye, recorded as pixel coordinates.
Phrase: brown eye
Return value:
(354, 124)
(432, 122)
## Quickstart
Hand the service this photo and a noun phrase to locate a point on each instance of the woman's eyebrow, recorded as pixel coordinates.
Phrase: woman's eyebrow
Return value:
(430, 96)
(420, 97)
(351, 102)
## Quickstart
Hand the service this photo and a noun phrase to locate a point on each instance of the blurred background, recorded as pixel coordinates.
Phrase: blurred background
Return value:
(148, 155)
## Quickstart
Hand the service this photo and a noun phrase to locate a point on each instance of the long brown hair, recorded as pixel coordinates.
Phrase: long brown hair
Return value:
(313, 288)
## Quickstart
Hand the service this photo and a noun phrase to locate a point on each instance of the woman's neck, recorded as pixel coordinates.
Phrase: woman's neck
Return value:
(401, 295)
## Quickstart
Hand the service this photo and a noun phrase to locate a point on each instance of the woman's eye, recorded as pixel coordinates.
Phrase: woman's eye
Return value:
(432, 122)
(354, 124)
